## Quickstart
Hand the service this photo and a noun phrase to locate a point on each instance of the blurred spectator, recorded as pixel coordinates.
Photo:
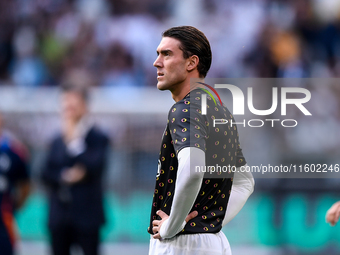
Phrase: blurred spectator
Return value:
(27, 68)
(39, 40)
(260, 60)
(286, 51)
(14, 186)
(118, 70)
(73, 174)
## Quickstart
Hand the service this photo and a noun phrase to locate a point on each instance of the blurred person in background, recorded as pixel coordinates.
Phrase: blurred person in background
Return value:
(118, 70)
(14, 186)
(73, 173)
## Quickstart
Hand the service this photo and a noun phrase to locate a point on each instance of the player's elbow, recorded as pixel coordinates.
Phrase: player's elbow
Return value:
(251, 186)
(196, 175)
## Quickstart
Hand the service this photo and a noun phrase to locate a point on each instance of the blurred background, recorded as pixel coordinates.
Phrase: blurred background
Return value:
(111, 44)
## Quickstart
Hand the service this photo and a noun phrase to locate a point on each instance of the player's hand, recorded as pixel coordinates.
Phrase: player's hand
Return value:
(333, 214)
(158, 223)
(74, 174)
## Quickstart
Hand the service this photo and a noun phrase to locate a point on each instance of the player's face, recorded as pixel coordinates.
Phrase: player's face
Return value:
(170, 64)
(73, 106)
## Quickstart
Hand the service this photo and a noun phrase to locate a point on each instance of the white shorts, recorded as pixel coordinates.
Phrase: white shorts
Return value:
(195, 244)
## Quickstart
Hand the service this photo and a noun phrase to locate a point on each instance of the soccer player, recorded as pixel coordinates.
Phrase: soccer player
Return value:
(73, 174)
(188, 209)
(14, 186)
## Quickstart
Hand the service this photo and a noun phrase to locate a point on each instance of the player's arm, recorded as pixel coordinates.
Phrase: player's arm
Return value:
(50, 174)
(23, 189)
(242, 188)
(89, 160)
(188, 184)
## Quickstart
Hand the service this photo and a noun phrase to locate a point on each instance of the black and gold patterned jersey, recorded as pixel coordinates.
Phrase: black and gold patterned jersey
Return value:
(187, 127)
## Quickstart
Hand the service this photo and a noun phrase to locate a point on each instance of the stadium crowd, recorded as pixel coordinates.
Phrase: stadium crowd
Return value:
(114, 40)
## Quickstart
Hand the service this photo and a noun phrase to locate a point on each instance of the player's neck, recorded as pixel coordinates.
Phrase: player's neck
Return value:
(187, 86)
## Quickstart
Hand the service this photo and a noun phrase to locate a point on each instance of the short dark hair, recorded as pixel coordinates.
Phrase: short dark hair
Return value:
(193, 42)
(80, 90)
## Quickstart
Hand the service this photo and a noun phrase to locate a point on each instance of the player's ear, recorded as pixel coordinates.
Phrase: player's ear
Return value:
(192, 63)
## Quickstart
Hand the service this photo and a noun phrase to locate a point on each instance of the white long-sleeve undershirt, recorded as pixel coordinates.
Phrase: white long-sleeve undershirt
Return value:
(242, 188)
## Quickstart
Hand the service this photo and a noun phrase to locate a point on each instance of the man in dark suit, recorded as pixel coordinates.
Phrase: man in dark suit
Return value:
(73, 174)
